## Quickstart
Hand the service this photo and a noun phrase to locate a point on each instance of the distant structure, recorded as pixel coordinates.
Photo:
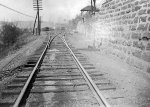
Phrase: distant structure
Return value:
(37, 5)
(91, 8)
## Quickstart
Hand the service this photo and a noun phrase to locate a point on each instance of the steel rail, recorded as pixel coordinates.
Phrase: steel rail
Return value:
(100, 98)
(19, 99)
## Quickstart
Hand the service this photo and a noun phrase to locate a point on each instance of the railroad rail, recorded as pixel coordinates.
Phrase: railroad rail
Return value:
(57, 75)
(20, 97)
(100, 98)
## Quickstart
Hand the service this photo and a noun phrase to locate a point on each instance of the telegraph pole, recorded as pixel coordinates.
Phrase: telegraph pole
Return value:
(37, 5)
(91, 6)
(38, 16)
(94, 5)
(34, 24)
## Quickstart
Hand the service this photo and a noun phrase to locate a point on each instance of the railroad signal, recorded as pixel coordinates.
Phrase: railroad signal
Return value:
(37, 5)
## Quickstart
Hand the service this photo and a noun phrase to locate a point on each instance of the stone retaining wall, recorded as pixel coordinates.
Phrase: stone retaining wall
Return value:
(122, 29)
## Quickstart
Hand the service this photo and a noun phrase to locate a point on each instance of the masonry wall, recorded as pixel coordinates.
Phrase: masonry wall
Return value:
(122, 29)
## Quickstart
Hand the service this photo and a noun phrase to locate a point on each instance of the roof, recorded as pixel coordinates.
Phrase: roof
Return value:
(88, 8)
(107, 1)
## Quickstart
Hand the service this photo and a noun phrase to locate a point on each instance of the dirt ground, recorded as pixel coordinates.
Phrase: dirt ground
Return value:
(132, 84)
(18, 58)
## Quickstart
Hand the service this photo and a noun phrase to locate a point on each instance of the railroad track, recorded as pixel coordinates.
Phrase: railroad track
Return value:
(57, 75)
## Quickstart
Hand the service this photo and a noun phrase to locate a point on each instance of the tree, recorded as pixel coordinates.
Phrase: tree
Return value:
(10, 33)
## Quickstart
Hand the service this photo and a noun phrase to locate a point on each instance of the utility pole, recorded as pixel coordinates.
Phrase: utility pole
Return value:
(37, 5)
(40, 23)
(91, 6)
(34, 24)
(38, 16)
(94, 6)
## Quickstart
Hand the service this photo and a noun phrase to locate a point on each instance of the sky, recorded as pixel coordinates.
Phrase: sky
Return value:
(53, 10)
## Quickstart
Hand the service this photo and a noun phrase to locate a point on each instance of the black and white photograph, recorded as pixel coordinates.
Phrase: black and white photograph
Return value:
(74, 53)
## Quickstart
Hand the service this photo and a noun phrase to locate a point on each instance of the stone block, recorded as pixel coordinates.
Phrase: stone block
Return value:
(117, 1)
(146, 56)
(124, 17)
(143, 1)
(141, 12)
(126, 36)
(145, 37)
(149, 5)
(113, 2)
(136, 3)
(124, 7)
(137, 53)
(130, 22)
(146, 34)
(143, 19)
(124, 43)
(129, 43)
(111, 15)
(135, 20)
(138, 64)
(139, 45)
(129, 5)
(123, 12)
(127, 22)
(148, 11)
(118, 14)
(136, 35)
(129, 16)
(133, 15)
(145, 5)
(142, 27)
(133, 27)
(116, 10)
(148, 18)
(120, 4)
(149, 28)
(148, 47)
(148, 70)
(113, 7)
(128, 11)
(126, 2)
(120, 28)
(136, 8)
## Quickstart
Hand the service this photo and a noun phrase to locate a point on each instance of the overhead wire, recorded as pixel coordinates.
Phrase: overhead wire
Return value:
(16, 11)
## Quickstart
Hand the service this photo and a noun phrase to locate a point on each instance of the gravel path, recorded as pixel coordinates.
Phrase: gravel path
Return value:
(14, 60)
(132, 84)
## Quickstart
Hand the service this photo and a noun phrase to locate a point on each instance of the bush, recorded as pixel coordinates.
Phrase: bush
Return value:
(10, 32)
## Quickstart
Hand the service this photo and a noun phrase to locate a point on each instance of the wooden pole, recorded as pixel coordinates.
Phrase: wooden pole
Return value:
(38, 17)
(40, 24)
(91, 6)
(94, 5)
(34, 24)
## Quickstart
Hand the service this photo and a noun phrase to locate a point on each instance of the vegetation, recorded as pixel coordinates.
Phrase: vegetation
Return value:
(11, 38)
(10, 33)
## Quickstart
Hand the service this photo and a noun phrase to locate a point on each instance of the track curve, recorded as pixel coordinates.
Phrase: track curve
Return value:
(57, 76)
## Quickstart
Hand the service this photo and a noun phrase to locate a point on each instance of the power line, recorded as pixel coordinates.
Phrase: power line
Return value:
(16, 11)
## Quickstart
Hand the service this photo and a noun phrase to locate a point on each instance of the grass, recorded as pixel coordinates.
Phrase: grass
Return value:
(13, 38)
(21, 41)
